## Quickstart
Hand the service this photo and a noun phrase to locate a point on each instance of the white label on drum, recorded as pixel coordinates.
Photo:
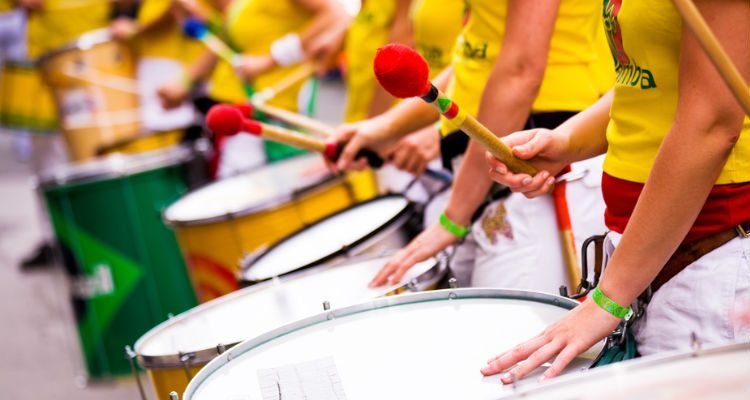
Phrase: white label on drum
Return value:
(317, 379)
(78, 107)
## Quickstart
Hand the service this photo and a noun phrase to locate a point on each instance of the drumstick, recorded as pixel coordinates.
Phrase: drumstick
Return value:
(715, 52)
(194, 28)
(197, 30)
(225, 120)
(404, 73)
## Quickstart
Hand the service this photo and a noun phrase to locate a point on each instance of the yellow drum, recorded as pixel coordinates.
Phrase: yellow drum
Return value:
(25, 101)
(221, 223)
(143, 143)
(175, 350)
(93, 80)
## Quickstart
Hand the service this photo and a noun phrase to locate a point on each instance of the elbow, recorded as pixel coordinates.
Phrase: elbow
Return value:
(527, 75)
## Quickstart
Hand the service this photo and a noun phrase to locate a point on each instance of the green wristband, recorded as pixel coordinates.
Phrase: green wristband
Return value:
(611, 306)
(452, 227)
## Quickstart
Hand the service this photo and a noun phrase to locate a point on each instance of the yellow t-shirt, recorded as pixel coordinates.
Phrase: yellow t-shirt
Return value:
(603, 68)
(369, 31)
(645, 39)
(254, 25)
(568, 84)
(167, 40)
(62, 21)
(436, 25)
(7, 5)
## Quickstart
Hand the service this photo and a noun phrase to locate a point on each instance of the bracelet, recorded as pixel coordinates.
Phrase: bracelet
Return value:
(452, 227)
(610, 306)
(186, 81)
(287, 50)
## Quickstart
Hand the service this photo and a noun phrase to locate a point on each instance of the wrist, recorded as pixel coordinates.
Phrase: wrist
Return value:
(287, 50)
(449, 225)
(186, 81)
(612, 307)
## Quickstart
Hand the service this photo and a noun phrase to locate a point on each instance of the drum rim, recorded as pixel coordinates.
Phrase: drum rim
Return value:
(83, 42)
(402, 217)
(113, 166)
(203, 356)
(372, 305)
(650, 361)
(271, 204)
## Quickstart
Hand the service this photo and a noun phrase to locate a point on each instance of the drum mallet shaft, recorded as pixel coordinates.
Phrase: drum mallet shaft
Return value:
(403, 73)
(194, 28)
(715, 52)
(226, 120)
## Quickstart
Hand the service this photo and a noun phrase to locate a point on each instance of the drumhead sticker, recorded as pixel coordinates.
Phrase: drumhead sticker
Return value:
(317, 379)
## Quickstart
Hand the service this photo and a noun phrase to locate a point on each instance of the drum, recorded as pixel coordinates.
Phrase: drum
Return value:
(144, 142)
(25, 101)
(175, 350)
(426, 345)
(375, 226)
(721, 372)
(93, 80)
(219, 224)
(125, 268)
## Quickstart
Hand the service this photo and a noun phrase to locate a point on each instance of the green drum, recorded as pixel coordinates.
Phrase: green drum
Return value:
(126, 271)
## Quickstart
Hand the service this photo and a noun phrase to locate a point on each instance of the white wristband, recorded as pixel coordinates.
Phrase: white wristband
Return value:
(287, 50)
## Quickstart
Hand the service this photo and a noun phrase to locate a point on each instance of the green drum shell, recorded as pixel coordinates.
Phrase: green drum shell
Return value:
(127, 273)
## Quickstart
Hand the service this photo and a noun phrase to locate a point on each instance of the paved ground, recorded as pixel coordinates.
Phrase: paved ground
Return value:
(39, 353)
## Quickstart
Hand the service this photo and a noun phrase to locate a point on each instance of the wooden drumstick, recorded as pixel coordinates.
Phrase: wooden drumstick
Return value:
(404, 73)
(309, 124)
(715, 52)
(301, 73)
(225, 120)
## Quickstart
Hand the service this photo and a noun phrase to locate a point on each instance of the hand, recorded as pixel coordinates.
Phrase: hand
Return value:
(427, 244)
(414, 152)
(123, 28)
(31, 5)
(172, 94)
(325, 48)
(567, 338)
(250, 67)
(546, 151)
(357, 136)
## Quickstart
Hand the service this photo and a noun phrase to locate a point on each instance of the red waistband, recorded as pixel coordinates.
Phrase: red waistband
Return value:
(727, 206)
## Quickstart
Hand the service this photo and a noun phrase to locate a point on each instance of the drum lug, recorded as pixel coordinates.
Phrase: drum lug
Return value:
(185, 359)
(453, 283)
(131, 355)
(695, 343)
(326, 305)
(220, 349)
(173, 395)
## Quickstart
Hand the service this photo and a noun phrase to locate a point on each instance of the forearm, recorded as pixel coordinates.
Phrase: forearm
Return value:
(585, 132)
(470, 187)
(325, 20)
(673, 196)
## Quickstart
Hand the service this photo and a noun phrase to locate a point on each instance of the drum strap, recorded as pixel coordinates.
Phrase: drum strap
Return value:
(688, 253)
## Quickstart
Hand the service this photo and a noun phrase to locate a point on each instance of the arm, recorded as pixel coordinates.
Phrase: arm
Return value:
(708, 118)
(174, 93)
(401, 32)
(509, 94)
(381, 132)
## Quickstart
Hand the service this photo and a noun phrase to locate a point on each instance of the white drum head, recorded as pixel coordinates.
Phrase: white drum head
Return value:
(417, 346)
(257, 190)
(325, 238)
(718, 373)
(257, 309)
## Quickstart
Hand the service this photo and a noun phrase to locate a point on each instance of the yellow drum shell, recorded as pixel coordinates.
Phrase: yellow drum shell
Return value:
(93, 81)
(144, 143)
(26, 103)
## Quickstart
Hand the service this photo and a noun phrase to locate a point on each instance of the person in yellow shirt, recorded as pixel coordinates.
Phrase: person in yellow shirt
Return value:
(274, 37)
(512, 74)
(378, 22)
(676, 183)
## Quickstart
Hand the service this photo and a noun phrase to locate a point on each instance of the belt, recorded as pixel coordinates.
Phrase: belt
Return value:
(688, 253)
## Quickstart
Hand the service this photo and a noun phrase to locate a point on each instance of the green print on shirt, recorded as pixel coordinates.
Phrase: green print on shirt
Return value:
(474, 52)
(627, 69)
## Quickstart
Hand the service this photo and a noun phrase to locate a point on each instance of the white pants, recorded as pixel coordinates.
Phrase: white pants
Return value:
(13, 36)
(700, 299)
(152, 72)
(517, 240)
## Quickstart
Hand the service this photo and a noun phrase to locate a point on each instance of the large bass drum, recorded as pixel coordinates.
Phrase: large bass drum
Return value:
(720, 372)
(427, 345)
(175, 350)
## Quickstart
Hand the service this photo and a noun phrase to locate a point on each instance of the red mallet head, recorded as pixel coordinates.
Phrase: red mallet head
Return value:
(246, 109)
(224, 120)
(402, 71)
